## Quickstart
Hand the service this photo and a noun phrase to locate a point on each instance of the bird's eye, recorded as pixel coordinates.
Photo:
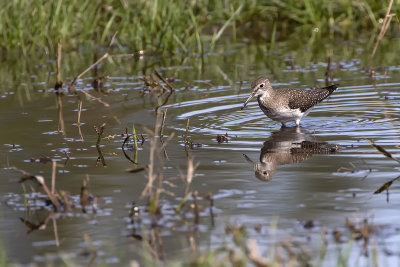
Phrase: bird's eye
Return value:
(261, 85)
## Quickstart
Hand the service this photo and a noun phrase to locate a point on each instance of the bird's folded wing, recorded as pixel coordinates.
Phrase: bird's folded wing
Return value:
(306, 99)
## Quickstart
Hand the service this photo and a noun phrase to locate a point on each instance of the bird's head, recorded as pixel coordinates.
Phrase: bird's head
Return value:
(259, 87)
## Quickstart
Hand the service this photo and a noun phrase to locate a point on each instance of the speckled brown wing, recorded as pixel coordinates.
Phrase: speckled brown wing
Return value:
(306, 99)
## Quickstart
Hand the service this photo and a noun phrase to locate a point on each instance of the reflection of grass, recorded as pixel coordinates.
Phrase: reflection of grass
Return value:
(3, 257)
(169, 25)
(356, 246)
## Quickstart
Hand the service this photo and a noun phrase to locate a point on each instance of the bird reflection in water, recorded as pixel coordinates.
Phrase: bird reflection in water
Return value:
(287, 146)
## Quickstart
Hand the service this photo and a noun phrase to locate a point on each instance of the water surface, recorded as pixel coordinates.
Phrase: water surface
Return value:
(324, 171)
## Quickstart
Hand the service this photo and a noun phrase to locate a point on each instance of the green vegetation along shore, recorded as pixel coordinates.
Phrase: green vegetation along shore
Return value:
(185, 26)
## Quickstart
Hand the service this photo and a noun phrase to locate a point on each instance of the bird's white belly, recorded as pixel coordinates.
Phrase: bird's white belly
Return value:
(286, 115)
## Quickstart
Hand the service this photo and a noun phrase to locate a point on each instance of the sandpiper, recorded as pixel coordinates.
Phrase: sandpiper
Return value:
(285, 105)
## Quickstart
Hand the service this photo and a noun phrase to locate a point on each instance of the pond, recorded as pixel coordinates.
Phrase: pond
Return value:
(279, 183)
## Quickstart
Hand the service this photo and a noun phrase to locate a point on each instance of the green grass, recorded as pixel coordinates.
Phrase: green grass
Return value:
(169, 26)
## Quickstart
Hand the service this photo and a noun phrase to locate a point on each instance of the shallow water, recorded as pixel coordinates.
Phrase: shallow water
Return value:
(324, 171)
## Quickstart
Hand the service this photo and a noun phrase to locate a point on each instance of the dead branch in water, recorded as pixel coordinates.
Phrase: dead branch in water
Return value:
(187, 131)
(123, 147)
(164, 80)
(99, 135)
(71, 88)
(99, 132)
(40, 180)
(161, 134)
(59, 83)
(386, 186)
(152, 85)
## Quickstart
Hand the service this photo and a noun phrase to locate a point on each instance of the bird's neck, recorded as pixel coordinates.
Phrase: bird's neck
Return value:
(266, 95)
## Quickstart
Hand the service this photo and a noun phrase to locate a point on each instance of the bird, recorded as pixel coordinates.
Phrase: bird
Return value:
(286, 104)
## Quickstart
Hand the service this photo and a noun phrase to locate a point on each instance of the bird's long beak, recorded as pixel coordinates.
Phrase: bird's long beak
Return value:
(248, 100)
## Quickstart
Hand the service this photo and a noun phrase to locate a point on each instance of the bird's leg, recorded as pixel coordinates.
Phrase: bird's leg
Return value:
(297, 123)
(283, 125)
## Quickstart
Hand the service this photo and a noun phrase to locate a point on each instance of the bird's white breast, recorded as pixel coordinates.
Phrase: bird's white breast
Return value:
(286, 114)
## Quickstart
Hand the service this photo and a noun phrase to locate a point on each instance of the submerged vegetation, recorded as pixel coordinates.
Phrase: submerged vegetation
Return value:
(186, 26)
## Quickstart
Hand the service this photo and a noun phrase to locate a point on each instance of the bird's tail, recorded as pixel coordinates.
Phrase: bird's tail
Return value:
(331, 88)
